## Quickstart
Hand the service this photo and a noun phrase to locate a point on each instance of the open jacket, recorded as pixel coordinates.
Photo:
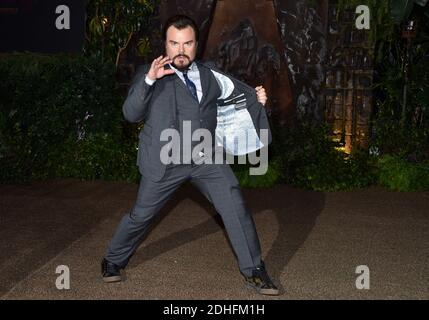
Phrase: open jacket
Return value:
(236, 111)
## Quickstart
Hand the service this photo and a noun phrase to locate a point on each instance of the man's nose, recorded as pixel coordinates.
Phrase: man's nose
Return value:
(181, 49)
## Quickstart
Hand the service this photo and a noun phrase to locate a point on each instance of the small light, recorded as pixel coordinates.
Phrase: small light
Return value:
(409, 29)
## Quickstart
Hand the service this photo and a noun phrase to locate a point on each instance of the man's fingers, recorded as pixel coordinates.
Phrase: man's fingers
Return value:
(165, 61)
(165, 58)
(161, 63)
(155, 62)
(168, 71)
(261, 94)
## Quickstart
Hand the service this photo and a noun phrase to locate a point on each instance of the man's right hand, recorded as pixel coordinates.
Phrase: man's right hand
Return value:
(157, 70)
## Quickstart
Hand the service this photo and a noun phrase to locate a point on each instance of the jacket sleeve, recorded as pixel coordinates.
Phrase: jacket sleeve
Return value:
(256, 109)
(137, 103)
(261, 119)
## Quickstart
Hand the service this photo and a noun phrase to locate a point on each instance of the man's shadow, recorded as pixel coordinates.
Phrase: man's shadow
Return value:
(296, 211)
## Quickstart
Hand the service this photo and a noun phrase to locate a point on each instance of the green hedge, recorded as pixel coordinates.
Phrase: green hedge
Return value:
(310, 160)
(267, 180)
(398, 174)
(61, 117)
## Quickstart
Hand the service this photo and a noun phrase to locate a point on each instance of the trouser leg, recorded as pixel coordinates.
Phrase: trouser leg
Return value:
(134, 225)
(220, 186)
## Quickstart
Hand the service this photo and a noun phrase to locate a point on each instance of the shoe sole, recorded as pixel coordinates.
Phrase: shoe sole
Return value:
(112, 279)
(269, 292)
(266, 292)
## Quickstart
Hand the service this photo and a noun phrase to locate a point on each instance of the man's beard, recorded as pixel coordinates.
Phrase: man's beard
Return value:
(184, 66)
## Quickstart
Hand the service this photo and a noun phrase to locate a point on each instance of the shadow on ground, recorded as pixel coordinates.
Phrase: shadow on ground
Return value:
(296, 212)
(38, 220)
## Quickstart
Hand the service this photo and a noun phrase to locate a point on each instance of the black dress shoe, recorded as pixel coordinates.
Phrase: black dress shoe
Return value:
(110, 271)
(261, 282)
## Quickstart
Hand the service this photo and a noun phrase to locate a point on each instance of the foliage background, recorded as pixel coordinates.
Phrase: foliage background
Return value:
(60, 115)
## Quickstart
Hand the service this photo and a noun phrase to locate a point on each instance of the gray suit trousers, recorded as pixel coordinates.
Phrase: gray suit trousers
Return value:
(220, 186)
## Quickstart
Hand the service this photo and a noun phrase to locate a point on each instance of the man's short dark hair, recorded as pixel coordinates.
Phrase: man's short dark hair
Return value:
(180, 22)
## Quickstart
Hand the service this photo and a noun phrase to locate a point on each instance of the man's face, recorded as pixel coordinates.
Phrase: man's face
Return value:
(181, 46)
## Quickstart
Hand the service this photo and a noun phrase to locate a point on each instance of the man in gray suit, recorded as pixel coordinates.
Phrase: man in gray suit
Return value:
(176, 92)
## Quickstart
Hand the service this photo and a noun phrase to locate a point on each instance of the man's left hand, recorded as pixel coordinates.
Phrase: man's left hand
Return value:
(261, 95)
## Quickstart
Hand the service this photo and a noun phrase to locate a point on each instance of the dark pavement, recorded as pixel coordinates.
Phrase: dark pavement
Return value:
(312, 243)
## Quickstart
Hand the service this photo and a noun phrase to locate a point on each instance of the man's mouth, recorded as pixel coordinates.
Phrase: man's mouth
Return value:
(182, 57)
(181, 62)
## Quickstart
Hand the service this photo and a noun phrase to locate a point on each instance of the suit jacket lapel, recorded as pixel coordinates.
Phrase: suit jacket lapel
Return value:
(170, 83)
(178, 82)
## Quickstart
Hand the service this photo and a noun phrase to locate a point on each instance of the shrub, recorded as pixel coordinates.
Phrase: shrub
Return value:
(398, 174)
(60, 115)
(267, 180)
(310, 159)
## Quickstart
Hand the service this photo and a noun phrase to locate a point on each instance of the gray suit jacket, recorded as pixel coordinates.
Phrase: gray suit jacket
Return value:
(156, 106)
